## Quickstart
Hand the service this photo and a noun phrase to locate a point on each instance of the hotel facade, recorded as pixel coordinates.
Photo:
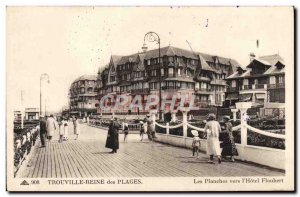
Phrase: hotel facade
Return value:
(261, 82)
(179, 71)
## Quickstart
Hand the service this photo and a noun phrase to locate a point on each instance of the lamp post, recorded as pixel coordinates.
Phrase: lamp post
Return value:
(44, 75)
(154, 37)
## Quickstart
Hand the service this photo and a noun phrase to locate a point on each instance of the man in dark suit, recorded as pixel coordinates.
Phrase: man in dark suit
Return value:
(43, 131)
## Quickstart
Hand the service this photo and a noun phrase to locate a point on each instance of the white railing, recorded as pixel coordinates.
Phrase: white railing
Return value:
(280, 136)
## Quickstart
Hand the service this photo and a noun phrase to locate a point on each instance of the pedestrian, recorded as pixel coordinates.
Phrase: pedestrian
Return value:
(150, 128)
(196, 143)
(229, 148)
(51, 125)
(61, 129)
(66, 129)
(43, 130)
(112, 140)
(76, 127)
(143, 128)
(125, 130)
(213, 129)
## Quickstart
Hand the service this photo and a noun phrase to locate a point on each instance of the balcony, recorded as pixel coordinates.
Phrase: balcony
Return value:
(203, 91)
(276, 85)
(203, 78)
(232, 89)
(247, 87)
(140, 91)
(254, 86)
(170, 88)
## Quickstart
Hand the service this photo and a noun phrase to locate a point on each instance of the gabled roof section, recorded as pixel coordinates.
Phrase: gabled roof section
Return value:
(271, 59)
(140, 63)
(115, 59)
(170, 51)
(86, 77)
(204, 65)
(258, 62)
(127, 59)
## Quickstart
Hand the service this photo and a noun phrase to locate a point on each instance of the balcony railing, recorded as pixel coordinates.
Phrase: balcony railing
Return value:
(276, 85)
(140, 91)
(259, 86)
(247, 87)
(232, 89)
(203, 90)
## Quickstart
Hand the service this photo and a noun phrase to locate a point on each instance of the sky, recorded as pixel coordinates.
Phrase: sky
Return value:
(67, 42)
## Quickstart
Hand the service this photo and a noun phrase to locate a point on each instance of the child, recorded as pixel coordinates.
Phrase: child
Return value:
(196, 143)
(61, 130)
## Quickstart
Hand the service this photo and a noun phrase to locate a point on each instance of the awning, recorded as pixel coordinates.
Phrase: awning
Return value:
(260, 96)
(245, 97)
(232, 96)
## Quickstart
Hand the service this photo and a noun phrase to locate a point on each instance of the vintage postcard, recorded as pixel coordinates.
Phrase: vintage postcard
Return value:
(150, 98)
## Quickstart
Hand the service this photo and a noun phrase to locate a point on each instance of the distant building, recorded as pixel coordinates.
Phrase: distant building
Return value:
(261, 82)
(32, 113)
(82, 96)
(182, 72)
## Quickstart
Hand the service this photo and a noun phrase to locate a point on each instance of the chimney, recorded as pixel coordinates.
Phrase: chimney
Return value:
(251, 56)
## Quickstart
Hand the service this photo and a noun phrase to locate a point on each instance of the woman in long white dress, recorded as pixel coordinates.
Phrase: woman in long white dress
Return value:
(76, 128)
(213, 129)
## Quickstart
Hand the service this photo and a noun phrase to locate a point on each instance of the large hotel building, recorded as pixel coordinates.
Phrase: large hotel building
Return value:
(214, 80)
(181, 72)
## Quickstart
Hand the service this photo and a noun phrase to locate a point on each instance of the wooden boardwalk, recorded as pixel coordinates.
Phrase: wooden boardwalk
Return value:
(87, 157)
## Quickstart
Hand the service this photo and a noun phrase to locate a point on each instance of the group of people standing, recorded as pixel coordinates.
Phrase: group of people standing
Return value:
(112, 140)
(213, 146)
(49, 127)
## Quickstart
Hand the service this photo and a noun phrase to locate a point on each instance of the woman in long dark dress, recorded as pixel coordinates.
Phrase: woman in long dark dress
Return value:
(229, 148)
(112, 140)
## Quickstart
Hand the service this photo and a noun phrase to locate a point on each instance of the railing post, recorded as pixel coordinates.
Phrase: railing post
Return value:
(167, 129)
(234, 111)
(184, 111)
(243, 107)
(173, 115)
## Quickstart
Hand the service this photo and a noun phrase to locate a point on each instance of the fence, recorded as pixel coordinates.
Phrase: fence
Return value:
(23, 144)
(273, 156)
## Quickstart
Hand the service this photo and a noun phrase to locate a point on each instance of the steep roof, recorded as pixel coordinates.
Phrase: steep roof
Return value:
(204, 65)
(128, 58)
(86, 77)
(116, 59)
(271, 59)
(170, 51)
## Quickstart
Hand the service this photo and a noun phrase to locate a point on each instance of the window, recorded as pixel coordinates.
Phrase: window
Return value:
(280, 79)
(128, 76)
(81, 90)
(171, 71)
(179, 71)
(162, 72)
(153, 73)
(233, 84)
(148, 62)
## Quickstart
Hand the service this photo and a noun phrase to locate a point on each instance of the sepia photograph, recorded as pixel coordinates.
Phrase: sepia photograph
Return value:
(137, 99)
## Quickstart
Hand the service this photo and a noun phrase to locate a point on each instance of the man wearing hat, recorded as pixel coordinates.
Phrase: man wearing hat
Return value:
(43, 130)
(213, 129)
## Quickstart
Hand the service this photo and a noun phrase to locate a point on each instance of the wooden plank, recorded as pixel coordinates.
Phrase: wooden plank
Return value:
(56, 161)
(53, 167)
(61, 161)
(63, 155)
(41, 167)
(71, 160)
(102, 168)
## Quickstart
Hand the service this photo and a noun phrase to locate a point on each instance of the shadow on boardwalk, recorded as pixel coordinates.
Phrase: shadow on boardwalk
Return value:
(87, 157)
